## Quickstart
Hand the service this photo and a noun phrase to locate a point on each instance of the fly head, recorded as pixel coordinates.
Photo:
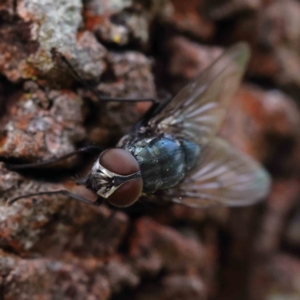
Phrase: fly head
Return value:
(116, 177)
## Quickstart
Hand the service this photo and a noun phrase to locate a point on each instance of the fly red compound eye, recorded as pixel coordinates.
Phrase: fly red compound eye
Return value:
(119, 161)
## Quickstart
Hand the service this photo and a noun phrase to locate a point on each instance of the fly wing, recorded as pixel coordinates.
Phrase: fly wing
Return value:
(198, 109)
(223, 176)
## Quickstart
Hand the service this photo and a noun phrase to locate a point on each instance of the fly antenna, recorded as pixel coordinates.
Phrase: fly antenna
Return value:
(58, 192)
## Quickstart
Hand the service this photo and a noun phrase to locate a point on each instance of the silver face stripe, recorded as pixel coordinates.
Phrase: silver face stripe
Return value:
(109, 181)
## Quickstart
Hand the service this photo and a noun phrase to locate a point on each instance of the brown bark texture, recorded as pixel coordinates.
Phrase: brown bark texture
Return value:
(52, 247)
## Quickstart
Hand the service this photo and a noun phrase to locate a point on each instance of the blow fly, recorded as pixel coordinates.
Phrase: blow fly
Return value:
(173, 154)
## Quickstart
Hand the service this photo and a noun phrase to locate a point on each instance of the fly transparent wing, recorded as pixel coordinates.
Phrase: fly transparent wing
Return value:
(198, 109)
(223, 176)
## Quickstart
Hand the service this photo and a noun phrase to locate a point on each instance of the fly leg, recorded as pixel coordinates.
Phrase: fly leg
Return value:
(49, 162)
(54, 160)
(14, 7)
(156, 107)
(58, 192)
(153, 110)
(87, 86)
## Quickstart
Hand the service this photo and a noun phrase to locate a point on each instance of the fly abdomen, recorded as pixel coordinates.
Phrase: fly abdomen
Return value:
(163, 161)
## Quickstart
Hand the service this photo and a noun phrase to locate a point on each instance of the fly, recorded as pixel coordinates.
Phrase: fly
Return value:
(173, 154)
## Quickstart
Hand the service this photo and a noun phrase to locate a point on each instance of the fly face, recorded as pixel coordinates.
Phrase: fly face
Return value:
(173, 155)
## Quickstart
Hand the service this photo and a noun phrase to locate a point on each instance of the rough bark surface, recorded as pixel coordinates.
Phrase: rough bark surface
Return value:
(56, 248)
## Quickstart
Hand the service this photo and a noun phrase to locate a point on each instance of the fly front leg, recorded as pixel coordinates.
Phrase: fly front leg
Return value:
(52, 161)
(57, 192)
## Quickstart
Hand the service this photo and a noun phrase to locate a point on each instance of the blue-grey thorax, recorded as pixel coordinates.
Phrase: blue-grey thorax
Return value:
(163, 160)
